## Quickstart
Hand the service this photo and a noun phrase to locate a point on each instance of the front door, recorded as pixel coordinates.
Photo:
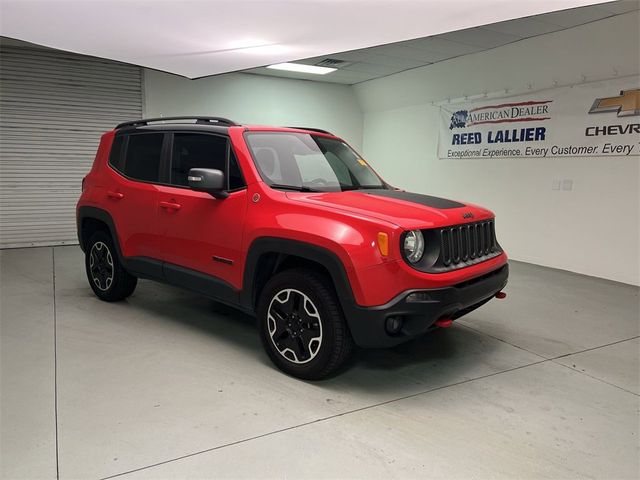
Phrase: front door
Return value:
(200, 233)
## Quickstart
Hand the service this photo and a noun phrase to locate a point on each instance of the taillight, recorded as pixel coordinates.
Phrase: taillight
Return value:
(83, 180)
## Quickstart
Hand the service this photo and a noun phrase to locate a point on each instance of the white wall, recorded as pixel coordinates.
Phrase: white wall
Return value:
(254, 99)
(593, 229)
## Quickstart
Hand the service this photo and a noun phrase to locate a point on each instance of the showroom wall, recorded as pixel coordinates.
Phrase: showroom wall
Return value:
(591, 229)
(255, 99)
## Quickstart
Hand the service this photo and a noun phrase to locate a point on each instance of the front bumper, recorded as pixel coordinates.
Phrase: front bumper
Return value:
(367, 324)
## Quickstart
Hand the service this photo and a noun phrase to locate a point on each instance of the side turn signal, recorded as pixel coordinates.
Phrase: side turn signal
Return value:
(383, 243)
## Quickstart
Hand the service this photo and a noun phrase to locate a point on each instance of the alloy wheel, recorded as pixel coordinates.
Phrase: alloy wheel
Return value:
(101, 266)
(294, 325)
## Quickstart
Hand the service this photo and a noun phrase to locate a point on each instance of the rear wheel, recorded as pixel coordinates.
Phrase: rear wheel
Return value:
(302, 326)
(107, 277)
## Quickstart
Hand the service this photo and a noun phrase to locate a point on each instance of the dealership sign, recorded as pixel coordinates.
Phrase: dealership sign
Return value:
(596, 119)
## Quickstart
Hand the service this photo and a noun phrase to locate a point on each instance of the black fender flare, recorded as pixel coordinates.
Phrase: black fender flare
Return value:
(284, 246)
(86, 212)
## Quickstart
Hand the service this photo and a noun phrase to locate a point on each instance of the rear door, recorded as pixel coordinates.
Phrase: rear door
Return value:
(201, 233)
(131, 191)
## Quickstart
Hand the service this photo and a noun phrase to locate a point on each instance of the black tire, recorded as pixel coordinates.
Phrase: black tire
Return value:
(310, 341)
(107, 277)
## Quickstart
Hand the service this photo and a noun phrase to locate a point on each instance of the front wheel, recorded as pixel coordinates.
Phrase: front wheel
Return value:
(107, 277)
(302, 326)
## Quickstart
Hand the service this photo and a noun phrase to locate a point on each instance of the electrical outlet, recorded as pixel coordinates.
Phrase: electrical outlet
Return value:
(567, 184)
(556, 184)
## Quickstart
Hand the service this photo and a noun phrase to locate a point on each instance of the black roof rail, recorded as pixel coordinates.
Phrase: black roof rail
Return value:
(319, 130)
(201, 120)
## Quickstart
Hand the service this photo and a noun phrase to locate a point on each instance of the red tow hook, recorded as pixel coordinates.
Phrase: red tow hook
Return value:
(443, 322)
(501, 295)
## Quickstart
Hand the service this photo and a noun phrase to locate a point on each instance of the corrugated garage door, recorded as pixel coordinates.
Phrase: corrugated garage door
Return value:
(53, 108)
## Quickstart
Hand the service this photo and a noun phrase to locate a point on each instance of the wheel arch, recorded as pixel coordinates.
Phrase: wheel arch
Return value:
(90, 219)
(269, 255)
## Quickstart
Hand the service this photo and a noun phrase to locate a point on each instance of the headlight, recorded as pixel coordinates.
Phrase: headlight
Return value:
(413, 245)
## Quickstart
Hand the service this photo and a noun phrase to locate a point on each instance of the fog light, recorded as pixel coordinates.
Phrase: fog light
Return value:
(394, 325)
(418, 297)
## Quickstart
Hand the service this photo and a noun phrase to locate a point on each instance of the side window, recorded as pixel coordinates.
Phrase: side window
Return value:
(115, 157)
(195, 150)
(142, 161)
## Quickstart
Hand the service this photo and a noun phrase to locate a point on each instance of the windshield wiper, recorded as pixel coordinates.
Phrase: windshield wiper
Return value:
(346, 188)
(295, 188)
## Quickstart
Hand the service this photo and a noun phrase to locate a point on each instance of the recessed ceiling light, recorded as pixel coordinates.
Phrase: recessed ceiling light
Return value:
(302, 68)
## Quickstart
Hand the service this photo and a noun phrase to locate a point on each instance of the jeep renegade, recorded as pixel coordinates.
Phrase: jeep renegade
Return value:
(288, 224)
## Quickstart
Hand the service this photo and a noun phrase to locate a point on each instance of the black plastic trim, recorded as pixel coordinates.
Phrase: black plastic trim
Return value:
(202, 283)
(288, 247)
(86, 212)
(199, 120)
(458, 253)
(226, 261)
(419, 317)
(317, 130)
(144, 267)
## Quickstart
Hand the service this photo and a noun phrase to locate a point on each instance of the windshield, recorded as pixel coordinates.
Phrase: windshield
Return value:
(299, 161)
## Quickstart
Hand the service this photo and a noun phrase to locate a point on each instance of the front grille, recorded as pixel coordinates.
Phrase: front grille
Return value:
(461, 245)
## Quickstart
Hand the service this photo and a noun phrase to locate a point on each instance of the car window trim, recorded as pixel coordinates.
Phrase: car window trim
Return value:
(121, 154)
(125, 149)
(232, 150)
(227, 160)
(165, 169)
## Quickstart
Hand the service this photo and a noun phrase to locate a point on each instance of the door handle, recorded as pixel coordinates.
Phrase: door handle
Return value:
(115, 195)
(170, 206)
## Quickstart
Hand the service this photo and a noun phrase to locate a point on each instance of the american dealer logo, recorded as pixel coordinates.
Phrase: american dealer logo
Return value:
(565, 122)
(530, 111)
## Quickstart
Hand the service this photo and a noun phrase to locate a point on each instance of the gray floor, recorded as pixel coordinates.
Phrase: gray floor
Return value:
(167, 385)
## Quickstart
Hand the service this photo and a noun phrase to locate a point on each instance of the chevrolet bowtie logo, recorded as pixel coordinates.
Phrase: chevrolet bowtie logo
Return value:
(625, 104)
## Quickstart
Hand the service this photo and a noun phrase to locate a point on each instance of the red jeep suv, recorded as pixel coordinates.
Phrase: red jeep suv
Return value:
(288, 224)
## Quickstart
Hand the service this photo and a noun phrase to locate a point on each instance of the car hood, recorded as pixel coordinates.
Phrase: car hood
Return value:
(405, 209)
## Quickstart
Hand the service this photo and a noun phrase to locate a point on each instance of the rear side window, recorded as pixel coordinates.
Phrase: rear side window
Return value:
(195, 150)
(116, 157)
(142, 161)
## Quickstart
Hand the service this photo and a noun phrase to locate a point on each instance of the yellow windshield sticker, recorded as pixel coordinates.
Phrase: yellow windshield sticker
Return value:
(362, 162)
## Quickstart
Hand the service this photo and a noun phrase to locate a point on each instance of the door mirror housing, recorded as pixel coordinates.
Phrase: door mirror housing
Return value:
(208, 180)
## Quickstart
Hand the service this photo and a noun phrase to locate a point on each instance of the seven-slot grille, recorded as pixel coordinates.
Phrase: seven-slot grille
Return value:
(472, 242)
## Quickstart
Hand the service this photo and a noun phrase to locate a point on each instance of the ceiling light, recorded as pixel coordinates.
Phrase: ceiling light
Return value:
(302, 68)
(257, 47)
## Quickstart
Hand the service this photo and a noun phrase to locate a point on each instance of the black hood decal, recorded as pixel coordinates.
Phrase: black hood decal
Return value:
(426, 200)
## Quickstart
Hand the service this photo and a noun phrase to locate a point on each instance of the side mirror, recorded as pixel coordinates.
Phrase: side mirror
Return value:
(208, 180)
